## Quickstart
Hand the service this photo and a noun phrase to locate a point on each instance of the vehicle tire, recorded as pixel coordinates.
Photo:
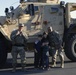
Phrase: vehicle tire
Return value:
(70, 49)
(3, 53)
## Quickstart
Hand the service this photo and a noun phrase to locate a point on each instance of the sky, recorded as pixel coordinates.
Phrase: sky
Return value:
(7, 3)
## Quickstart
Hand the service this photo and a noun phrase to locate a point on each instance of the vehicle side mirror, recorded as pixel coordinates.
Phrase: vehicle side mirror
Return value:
(6, 10)
(11, 8)
(21, 1)
(31, 9)
(62, 4)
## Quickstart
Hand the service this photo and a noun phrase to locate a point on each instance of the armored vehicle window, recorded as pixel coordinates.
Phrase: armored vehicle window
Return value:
(29, 10)
(35, 8)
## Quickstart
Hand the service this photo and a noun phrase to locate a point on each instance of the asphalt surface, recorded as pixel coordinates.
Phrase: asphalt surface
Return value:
(69, 69)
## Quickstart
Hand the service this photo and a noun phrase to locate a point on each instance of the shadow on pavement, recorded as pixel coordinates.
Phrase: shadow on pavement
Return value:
(9, 64)
(20, 72)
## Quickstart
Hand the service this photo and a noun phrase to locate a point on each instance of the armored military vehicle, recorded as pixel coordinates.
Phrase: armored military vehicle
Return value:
(37, 16)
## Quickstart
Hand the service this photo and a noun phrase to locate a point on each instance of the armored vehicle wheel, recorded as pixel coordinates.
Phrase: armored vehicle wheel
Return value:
(70, 49)
(3, 53)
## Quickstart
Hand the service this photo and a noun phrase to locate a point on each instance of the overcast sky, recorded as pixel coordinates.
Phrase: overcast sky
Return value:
(15, 3)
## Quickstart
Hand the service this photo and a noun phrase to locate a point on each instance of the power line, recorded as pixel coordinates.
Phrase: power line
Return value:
(15, 3)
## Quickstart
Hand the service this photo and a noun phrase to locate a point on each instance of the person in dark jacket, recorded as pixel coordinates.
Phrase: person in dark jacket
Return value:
(45, 52)
(55, 44)
(37, 52)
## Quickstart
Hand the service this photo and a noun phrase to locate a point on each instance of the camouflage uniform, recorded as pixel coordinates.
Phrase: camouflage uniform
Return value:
(55, 43)
(18, 42)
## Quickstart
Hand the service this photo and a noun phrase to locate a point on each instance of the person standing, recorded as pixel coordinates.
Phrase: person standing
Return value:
(55, 44)
(45, 52)
(18, 45)
(37, 58)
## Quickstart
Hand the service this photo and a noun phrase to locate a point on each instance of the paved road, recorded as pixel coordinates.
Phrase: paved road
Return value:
(70, 67)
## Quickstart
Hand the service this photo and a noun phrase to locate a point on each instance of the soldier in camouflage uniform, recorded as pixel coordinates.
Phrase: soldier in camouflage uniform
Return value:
(18, 45)
(55, 44)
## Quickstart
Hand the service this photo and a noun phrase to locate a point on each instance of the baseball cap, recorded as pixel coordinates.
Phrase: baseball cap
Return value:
(21, 25)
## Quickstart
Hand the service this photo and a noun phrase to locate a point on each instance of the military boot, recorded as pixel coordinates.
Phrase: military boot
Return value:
(62, 64)
(14, 68)
(23, 68)
(54, 64)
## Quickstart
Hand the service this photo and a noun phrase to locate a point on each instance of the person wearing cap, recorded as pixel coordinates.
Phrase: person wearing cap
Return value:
(18, 44)
(55, 44)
